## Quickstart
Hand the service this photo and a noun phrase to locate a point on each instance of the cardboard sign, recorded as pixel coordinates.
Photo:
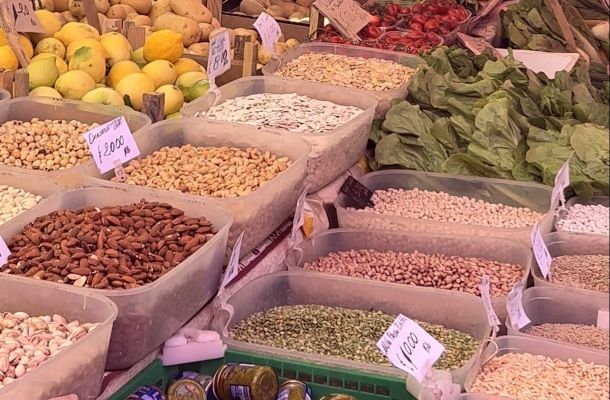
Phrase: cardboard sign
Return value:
(22, 12)
(541, 252)
(4, 253)
(562, 181)
(111, 142)
(345, 15)
(269, 31)
(233, 266)
(514, 306)
(492, 317)
(219, 60)
(359, 194)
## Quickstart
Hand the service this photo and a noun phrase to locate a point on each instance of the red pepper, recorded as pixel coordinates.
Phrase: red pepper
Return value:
(393, 9)
(373, 32)
(375, 20)
(416, 26)
(431, 25)
(418, 8)
(418, 19)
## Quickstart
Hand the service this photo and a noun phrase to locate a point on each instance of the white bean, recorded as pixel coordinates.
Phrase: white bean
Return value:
(14, 201)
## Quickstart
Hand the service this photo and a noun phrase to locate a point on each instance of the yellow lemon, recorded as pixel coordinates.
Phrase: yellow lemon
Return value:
(42, 72)
(51, 46)
(134, 86)
(162, 72)
(73, 31)
(26, 45)
(61, 65)
(193, 85)
(77, 44)
(138, 57)
(50, 25)
(45, 91)
(117, 47)
(3, 38)
(175, 115)
(90, 61)
(74, 84)
(120, 70)
(187, 65)
(8, 59)
(174, 99)
(104, 95)
(163, 45)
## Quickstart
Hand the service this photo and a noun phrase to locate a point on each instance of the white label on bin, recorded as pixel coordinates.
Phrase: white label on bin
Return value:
(4, 253)
(22, 13)
(233, 266)
(541, 252)
(299, 218)
(219, 60)
(602, 319)
(562, 181)
(111, 142)
(493, 319)
(410, 348)
(269, 30)
(346, 15)
(514, 306)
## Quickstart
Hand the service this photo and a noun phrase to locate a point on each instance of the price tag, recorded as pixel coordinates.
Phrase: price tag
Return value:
(233, 266)
(219, 60)
(541, 252)
(269, 30)
(299, 218)
(359, 194)
(4, 253)
(22, 12)
(514, 306)
(602, 319)
(345, 15)
(493, 319)
(562, 181)
(111, 142)
(410, 348)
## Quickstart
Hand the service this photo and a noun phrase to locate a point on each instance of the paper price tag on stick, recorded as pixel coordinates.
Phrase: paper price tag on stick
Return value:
(602, 319)
(233, 266)
(562, 181)
(4, 253)
(219, 59)
(111, 142)
(269, 30)
(541, 252)
(492, 317)
(514, 306)
(346, 15)
(22, 12)
(299, 218)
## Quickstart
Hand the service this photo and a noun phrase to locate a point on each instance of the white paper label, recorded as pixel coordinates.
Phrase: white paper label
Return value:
(514, 306)
(562, 181)
(269, 30)
(346, 15)
(492, 318)
(602, 319)
(541, 252)
(299, 219)
(410, 348)
(22, 13)
(111, 142)
(4, 253)
(219, 60)
(233, 266)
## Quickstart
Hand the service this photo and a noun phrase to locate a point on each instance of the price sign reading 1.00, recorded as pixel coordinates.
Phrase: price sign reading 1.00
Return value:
(110, 143)
(269, 30)
(219, 60)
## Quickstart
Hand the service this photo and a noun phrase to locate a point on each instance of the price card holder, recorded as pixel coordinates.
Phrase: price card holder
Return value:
(410, 348)
(514, 306)
(24, 19)
(562, 181)
(233, 266)
(541, 252)
(299, 220)
(269, 31)
(4, 253)
(219, 59)
(493, 319)
(346, 15)
(603, 319)
(358, 194)
(111, 143)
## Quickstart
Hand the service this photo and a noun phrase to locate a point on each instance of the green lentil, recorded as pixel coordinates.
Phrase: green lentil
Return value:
(343, 333)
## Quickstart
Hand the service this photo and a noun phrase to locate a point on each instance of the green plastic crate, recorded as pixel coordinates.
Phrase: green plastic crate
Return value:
(322, 380)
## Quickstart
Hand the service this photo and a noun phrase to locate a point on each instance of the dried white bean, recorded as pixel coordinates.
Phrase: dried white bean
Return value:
(14, 201)
(585, 219)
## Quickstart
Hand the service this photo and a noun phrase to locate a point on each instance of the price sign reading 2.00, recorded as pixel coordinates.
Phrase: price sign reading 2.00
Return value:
(111, 143)
(219, 60)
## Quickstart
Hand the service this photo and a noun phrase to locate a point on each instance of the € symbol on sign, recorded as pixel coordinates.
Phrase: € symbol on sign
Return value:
(427, 347)
(126, 150)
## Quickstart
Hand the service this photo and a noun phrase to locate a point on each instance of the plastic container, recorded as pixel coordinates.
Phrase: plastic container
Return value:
(257, 214)
(333, 152)
(78, 369)
(517, 194)
(562, 244)
(26, 108)
(384, 96)
(596, 200)
(150, 314)
(453, 310)
(501, 250)
(567, 306)
(4, 95)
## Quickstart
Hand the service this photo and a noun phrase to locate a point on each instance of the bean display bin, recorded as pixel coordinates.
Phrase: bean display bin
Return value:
(596, 200)
(150, 314)
(77, 369)
(4, 95)
(26, 108)
(567, 306)
(257, 214)
(453, 310)
(384, 97)
(500, 191)
(333, 152)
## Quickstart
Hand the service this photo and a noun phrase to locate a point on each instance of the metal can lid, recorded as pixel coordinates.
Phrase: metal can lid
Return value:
(147, 392)
(293, 383)
(338, 396)
(186, 389)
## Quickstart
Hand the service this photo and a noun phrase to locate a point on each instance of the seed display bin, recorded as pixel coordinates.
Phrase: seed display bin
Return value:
(332, 152)
(499, 191)
(452, 310)
(596, 200)
(259, 213)
(77, 369)
(384, 97)
(150, 314)
(26, 108)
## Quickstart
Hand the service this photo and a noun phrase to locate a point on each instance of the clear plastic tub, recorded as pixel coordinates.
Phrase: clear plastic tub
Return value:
(257, 214)
(26, 108)
(479, 396)
(150, 314)
(4, 95)
(453, 310)
(516, 194)
(333, 152)
(78, 369)
(596, 200)
(567, 306)
(496, 249)
(562, 244)
(384, 96)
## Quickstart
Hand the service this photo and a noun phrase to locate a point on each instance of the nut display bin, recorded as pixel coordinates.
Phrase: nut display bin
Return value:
(516, 194)
(596, 200)
(453, 310)
(566, 306)
(150, 314)
(496, 249)
(4, 95)
(79, 368)
(26, 108)
(563, 243)
(384, 97)
(332, 152)
(257, 214)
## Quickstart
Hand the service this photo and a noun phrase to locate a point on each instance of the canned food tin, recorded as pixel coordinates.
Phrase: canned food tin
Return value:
(245, 382)
(186, 389)
(204, 380)
(294, 390)
(147, 392)
(338, 397)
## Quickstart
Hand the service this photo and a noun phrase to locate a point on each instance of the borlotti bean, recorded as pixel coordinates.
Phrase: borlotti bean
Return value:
(431, 270)
(26, 341)
(14, 201)
(357, 72)
(585, 219)
(206, 171)
(582, 335)
(441, 206)
(581, 271)
(291, 112)
(44, 145)
(524, 376)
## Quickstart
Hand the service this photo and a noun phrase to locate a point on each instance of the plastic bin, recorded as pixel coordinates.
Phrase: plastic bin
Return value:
(453, 310)
(26, 108)
(496, 249)
(259, 213)
(78, 369)
(150, 314)
(596, 200)
(549, 305)
(333, 152)
(384, 96)
(561, 244)
(4, 95)
(517, 194)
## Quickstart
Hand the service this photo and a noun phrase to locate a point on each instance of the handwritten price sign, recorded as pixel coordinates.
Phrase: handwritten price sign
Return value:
(233, 266)
(219, 60)
(541, 252)
(345, 15)
(562, 181)
(22, 12)
(110, 143)
(4, 253)
(514, 306)
(269, 30)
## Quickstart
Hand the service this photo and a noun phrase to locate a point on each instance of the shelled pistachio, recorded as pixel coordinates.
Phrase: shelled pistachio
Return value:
(14, 201)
